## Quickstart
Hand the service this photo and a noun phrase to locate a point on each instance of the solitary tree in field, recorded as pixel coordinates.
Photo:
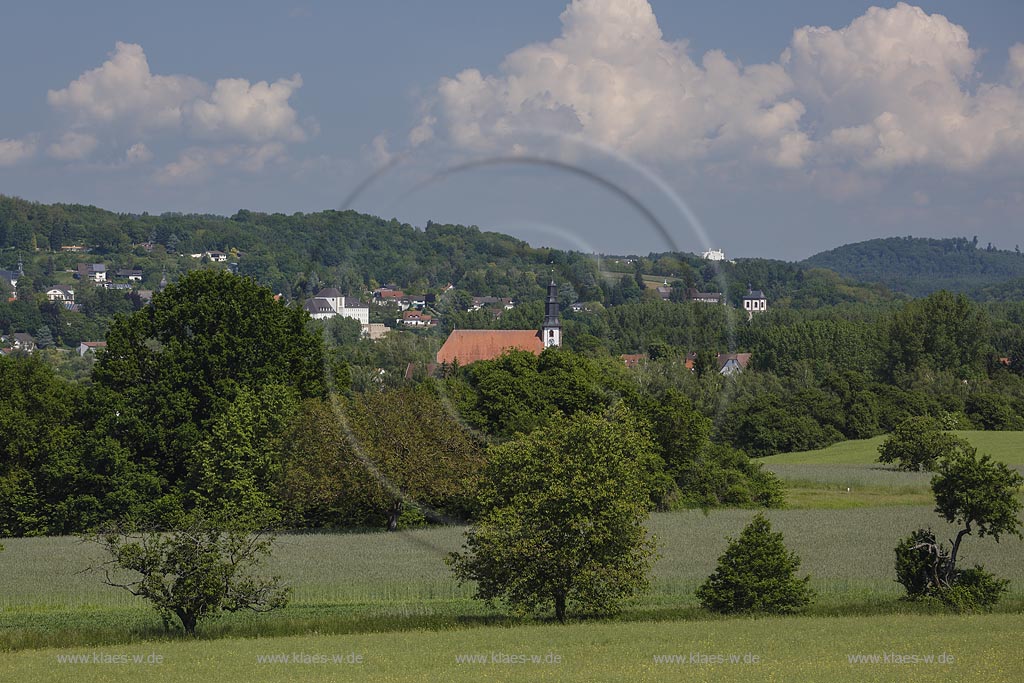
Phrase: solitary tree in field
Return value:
(977, 494)
(756, 573)
(564, 517)
(191, 573)
(918, 443)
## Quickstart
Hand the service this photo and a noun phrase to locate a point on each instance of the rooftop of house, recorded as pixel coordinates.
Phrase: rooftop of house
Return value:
(470, 346)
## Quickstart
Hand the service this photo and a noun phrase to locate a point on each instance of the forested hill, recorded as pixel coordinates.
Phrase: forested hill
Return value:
(919, 266)
(294, 254)
(299, 253)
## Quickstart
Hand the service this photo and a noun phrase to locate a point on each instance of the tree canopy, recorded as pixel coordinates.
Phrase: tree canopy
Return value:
(563, 518)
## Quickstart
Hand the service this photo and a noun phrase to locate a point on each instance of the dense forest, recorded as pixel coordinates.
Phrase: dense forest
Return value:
(920, 266)
(221, 390)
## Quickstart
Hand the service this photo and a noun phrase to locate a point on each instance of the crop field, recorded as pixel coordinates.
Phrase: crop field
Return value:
(345, 583)
(390, 599)
(847, 474)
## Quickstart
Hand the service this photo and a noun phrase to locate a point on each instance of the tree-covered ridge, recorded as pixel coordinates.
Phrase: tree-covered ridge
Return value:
(292, 254)
(920, 266)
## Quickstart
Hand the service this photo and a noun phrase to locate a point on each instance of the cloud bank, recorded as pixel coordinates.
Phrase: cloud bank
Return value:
(896, 87)
(234, 120)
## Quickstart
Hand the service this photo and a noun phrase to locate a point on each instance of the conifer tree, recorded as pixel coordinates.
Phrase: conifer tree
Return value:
(756, 573)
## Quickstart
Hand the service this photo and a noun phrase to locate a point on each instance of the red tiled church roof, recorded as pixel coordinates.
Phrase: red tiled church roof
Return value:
(469, 346)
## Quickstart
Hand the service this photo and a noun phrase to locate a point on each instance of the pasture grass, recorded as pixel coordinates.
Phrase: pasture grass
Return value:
(848, 474)
(1007, 447)
(985, 649)
(380, 582)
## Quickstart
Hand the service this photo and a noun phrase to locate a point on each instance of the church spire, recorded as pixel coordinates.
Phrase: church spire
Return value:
(551, 331)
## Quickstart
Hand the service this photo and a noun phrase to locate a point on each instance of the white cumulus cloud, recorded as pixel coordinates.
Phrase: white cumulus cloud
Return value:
(73, 146)
(13, 150)
(895, 87)
(124, 88)
(243, 122)
(255, 111)
(612, 77)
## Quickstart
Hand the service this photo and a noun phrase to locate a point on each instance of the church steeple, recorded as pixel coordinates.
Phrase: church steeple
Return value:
(551, 330)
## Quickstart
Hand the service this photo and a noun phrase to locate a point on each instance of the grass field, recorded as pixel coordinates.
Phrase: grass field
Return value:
(985, 649)
(390, 599)
(1007, 447)
(350, 583)
(848, 474)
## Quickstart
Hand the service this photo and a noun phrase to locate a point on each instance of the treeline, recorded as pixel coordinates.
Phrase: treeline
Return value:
(920, 266)
(218, 397)
(295, 255)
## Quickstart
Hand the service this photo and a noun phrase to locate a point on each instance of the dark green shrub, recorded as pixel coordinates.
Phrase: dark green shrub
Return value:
(923, 568)
(756, 573)
(920, 563)
(974, 589)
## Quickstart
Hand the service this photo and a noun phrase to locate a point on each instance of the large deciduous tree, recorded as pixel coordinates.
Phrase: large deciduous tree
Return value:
(977, 494)
(174, 368)
(563, 521)
(410, 452)
(918, 443)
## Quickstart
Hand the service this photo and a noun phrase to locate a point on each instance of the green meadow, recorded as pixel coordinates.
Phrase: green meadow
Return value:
(390, 599)
(848, 474)
(983, 648)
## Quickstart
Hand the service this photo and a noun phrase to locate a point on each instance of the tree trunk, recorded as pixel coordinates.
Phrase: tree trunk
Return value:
(396, 510)
(560, 606)
(188, 621)
(951, 569)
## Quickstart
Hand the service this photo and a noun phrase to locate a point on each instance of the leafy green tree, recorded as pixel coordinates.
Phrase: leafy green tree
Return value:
(706, 361)
(323, 484)
(706, 474)
(941, 332)
(171, 369)
(992, 411)
(517, 392)
(410, 453)
(756, 573)
(975, 493)
(978, 494)
(236, 466)
(918, 443)
(203, 567)
(563, 521)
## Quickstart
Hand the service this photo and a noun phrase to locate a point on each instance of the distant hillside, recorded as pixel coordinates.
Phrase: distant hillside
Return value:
(919, 266)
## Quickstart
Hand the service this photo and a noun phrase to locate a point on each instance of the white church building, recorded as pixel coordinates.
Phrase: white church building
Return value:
(329, 303)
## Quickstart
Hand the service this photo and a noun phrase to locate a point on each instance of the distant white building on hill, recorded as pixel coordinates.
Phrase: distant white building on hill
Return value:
(713, 255)
(330, 302)
(755, 302)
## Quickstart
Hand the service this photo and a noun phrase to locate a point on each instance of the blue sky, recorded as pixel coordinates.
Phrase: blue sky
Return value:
(767, 129)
